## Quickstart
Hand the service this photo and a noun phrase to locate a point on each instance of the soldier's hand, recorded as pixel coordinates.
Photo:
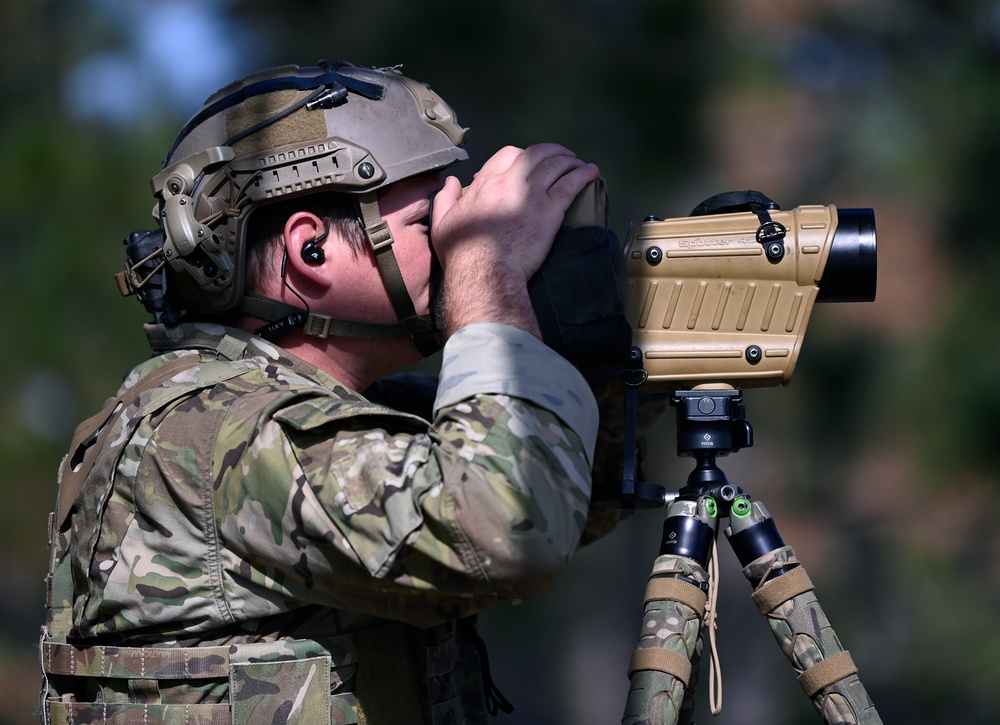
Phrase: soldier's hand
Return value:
(494, 235)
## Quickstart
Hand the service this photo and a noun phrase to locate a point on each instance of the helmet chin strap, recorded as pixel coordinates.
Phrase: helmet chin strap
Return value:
(285, 317)
(422, 329)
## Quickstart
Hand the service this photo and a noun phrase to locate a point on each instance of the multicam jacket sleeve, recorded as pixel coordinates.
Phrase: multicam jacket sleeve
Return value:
(276, 488)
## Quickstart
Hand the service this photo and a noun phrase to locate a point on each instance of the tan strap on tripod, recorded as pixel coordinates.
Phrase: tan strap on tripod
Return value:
(676, 590)
(777, 591)
(660, 588)
(825, 673)
(661, 660)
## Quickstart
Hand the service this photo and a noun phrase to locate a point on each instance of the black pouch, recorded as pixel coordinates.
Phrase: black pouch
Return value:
(578, 295)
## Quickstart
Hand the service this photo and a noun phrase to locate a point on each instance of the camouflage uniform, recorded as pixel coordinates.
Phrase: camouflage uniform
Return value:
(272, 526)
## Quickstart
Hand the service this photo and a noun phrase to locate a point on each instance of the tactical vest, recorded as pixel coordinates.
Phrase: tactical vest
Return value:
(401, 674)
(286, 681)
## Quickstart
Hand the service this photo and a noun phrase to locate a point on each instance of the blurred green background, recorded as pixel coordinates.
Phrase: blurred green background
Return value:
(878, 461)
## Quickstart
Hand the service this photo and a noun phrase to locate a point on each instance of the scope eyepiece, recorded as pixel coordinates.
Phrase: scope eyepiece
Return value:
(850, 272)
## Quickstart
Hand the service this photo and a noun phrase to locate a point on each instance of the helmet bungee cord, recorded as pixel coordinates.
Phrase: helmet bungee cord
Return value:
(282, 133)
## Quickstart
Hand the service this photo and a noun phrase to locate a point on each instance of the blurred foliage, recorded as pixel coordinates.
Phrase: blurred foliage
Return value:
(877, 461)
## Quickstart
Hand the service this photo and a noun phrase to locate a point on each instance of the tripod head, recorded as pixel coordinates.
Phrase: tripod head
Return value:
(711, 422)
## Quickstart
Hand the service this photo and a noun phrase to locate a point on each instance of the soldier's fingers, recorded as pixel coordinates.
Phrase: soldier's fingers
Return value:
(501, 161)
(565, 188)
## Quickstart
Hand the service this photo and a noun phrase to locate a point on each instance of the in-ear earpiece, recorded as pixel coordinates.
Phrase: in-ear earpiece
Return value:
(312, 253)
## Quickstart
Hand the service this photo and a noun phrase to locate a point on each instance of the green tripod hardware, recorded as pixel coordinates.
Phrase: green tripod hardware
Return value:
(678, 600)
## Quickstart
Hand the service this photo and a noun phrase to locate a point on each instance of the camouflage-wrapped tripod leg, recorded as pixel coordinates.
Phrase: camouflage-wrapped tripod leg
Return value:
(669, 643)
(784, 594)
(664, 665)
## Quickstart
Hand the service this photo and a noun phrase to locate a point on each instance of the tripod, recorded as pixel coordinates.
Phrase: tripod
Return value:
(663, 669)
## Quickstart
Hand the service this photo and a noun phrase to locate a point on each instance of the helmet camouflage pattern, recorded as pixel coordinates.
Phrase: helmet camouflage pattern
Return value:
(280, 133)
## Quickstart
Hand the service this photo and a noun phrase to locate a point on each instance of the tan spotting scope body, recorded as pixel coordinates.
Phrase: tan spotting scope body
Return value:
(725, 298)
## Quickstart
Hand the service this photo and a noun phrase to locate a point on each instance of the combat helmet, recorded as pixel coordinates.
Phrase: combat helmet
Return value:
(274, 135)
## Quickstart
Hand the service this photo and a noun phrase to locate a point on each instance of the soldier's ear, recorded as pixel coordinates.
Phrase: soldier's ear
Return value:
(304, 257)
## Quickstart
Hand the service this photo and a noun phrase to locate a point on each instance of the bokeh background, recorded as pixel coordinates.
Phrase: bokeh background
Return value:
(878, 460)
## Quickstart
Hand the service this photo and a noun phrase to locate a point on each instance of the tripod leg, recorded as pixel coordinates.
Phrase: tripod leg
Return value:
(669, 643)
(784, 594)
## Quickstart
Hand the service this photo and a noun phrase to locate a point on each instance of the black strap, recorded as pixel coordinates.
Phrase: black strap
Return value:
(495, 700)
(282, 317)
(387, 679)
(632, 375)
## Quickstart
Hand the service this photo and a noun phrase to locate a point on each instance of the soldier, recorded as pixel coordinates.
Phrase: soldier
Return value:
(242, 534)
